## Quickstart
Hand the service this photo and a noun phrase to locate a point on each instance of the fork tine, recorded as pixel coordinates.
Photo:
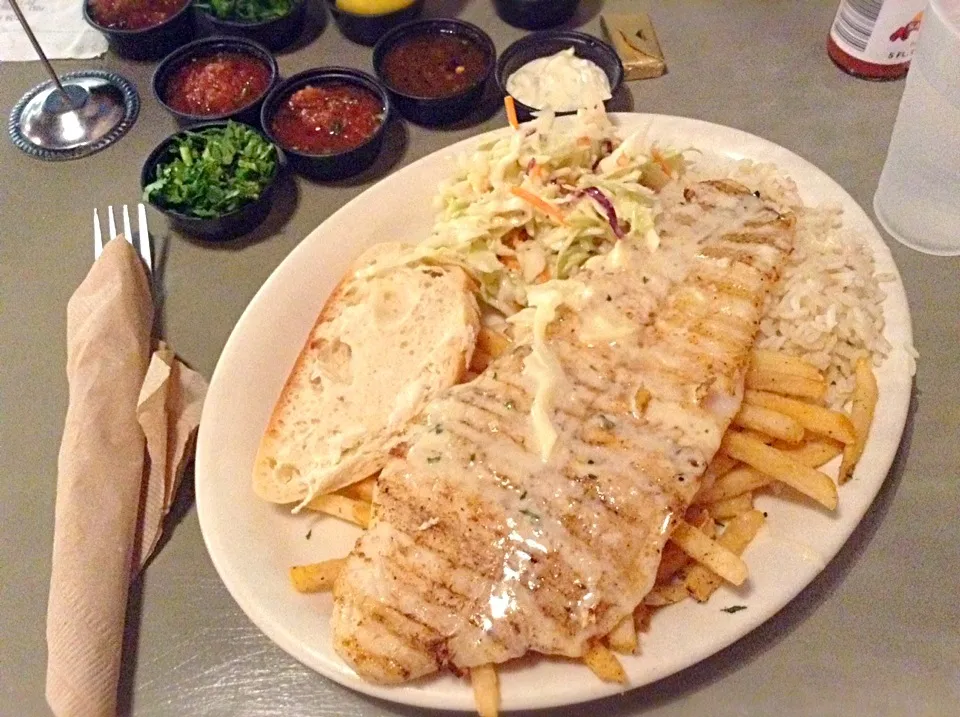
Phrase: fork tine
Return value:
(111, 223)
(97, 236)
(126, 225)
(143, 233)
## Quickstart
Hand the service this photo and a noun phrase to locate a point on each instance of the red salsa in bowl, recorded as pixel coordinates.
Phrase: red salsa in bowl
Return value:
(133, 14)
(218, 84)
(331, 122)
(434, 64)
(327, 118)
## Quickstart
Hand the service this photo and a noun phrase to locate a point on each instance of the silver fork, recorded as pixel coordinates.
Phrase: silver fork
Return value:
(143, 236)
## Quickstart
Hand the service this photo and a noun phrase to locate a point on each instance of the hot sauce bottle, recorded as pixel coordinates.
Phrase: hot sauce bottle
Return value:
(874, 39)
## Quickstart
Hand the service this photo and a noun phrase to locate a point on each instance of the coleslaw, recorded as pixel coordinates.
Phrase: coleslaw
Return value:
(535, 205)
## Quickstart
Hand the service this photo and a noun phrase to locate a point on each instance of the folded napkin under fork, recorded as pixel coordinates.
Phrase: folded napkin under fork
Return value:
(130, 422)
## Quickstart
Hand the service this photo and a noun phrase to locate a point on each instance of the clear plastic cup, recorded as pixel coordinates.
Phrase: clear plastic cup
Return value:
(918, 197)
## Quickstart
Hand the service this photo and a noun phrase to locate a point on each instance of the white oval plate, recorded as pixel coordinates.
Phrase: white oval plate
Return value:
(252, 543)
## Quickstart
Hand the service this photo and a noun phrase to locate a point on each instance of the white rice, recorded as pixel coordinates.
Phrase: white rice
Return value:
(827, 307)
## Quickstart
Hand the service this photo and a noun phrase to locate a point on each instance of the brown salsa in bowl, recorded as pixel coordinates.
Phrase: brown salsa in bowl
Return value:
(434, 64)
(436, 70)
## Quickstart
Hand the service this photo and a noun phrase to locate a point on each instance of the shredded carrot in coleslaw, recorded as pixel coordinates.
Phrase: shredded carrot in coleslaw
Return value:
(541, 204)
(657, 157)
(511, 108)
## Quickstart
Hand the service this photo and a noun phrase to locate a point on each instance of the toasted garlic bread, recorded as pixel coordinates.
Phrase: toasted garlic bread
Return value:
(384, 345)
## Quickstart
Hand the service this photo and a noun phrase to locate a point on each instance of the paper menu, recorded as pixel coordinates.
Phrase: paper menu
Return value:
(60, 29)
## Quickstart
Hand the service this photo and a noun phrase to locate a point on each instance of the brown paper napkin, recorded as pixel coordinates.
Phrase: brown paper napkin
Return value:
(168, 410)
(129, 426)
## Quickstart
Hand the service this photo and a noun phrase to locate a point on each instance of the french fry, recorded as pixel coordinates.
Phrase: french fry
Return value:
(731, 507)
(770, 422)
(709, 552)
(762, 437)
(785, 383)
(776, 464)
(719, 466)
(672, 559)
(700, 581)
(316, 577)
(479, 361)
(666, 594)
(491, 342)
(486, 690)
(813, 453)
(777, 362)
(700, 518)
(740, 480)
(813, 418)
(623, 638)
(361, 490)
(641, 619)
(355, 511)
(604, 664)
(865, 395)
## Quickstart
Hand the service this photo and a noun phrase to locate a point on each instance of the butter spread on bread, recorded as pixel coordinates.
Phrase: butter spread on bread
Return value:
(385, 343)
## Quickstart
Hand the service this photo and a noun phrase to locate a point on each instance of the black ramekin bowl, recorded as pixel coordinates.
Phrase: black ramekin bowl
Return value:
(550, 42)
(432, 111)
(227, 226)
(149, 43)
(274, 34)
(535, 14)
(248, 113)
(367, 29)
(335, 165)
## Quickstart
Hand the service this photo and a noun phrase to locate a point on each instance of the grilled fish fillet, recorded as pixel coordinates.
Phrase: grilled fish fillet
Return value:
(483, 545)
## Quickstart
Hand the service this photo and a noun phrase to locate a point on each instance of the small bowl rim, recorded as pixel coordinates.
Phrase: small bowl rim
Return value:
(577, 37)
(471, 31)
(153, 159)
(126, 32)
(529, 3)
(342, 72)
(238, 25)
(332, 6)
(184, 52)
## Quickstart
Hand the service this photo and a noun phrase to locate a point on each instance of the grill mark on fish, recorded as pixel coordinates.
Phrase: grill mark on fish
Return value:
(405, 574)
(614, 478)
(496, 397)
(411, 512)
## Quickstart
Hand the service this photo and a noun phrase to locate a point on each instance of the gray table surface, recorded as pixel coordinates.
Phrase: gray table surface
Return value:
(878, 633)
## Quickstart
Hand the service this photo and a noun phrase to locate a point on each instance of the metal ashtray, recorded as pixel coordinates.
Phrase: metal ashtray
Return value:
(92, 111)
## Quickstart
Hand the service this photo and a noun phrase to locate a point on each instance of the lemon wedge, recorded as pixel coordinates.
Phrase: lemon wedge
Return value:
(372, 7)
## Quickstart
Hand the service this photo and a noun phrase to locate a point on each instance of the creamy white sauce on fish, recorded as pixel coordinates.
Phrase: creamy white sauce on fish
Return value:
(550, 493)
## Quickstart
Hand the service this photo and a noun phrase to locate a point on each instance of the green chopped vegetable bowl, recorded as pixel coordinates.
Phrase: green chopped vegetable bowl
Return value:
(213, 180)
(272, 23)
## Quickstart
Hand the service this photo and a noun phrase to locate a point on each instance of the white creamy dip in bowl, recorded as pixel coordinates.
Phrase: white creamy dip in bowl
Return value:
(560, 69)
(562, 82)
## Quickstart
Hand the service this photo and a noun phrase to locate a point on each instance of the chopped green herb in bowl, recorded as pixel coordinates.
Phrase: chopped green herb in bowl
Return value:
(271, 23)
(214, 179)
(246, 10)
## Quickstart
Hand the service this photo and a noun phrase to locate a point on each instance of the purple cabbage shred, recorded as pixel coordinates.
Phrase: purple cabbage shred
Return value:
(601, 199)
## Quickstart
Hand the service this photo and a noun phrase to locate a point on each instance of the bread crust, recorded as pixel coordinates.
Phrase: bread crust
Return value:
(270, 481)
